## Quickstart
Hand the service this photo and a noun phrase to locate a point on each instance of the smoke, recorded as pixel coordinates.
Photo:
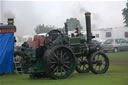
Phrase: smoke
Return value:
(82, 10)
(8, 14)
(28, 14)
(94, 16)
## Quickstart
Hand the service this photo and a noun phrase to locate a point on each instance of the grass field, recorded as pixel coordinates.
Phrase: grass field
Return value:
(116, 75)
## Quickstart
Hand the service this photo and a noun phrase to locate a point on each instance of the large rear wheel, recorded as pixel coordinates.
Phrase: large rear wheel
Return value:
(60, 63)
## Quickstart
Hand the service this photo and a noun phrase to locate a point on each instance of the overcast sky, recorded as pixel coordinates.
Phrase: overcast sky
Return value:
(28, 14)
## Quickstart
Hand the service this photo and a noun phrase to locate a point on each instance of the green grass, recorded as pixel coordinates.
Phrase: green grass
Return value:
(116, 75)
(119, 54)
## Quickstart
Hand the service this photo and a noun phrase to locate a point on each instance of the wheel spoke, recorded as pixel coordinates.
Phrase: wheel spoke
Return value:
(67, 62)
(52, 62)
(98, 57)
(102, 58)
(61, 55)
(55, 69)
(66, 66)
(56, 56)
(85, 66)
(81, 58)
(78, 60)
(103, 66)
(99, 68)
(96, 66)
(52, 66)
(67, 58)
(64, 54)
(53, 58)
(63, 69)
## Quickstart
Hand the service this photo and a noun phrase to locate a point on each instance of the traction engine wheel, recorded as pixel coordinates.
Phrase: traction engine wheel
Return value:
(98, 63)
(60, 63)
(82, 65)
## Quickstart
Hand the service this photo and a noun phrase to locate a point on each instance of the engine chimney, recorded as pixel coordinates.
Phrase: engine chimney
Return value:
(66, 29)
(10, 21)
(88, 26)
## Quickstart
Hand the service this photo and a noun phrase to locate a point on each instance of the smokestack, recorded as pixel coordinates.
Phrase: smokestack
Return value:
(10, 21)
(88, 26)
(66, 29)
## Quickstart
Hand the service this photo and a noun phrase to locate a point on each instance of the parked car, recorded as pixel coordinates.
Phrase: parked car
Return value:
(127, 41)
(115, 45)
(96, 42)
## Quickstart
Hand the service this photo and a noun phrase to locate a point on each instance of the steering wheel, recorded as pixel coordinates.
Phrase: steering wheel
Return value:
(51, 36)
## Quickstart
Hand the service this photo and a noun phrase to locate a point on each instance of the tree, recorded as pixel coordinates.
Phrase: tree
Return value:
(73, 23)
(43, 29)
(125, 14)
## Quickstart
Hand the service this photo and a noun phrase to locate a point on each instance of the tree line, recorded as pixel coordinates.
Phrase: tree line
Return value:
(72, 24)
(125, 14)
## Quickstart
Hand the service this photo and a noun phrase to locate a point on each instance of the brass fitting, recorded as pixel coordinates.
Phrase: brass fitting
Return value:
(88, 14)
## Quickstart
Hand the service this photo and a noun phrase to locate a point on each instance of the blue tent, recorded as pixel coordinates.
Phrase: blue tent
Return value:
(6, 52)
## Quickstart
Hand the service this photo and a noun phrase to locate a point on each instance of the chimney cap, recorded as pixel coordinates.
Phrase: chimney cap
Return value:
(10, 21)
(87, 13)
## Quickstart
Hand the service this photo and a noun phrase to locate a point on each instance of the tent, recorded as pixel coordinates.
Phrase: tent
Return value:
(6, 48)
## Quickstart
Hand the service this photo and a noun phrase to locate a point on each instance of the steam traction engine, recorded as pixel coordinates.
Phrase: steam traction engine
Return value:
(61, 55)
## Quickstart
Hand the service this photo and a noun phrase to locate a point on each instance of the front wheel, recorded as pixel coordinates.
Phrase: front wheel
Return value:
(98, 63)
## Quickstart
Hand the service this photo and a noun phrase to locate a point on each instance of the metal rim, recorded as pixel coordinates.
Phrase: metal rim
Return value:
(61, 63)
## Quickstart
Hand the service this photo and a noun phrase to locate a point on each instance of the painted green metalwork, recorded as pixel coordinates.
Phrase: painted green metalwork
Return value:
(61, 55)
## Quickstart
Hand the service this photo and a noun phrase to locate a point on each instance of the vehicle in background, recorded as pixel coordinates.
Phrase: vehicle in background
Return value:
(96, 42)
(115, 45)
(127, 41)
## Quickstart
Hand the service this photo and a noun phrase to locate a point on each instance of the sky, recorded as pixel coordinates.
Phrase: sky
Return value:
(29, 14)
